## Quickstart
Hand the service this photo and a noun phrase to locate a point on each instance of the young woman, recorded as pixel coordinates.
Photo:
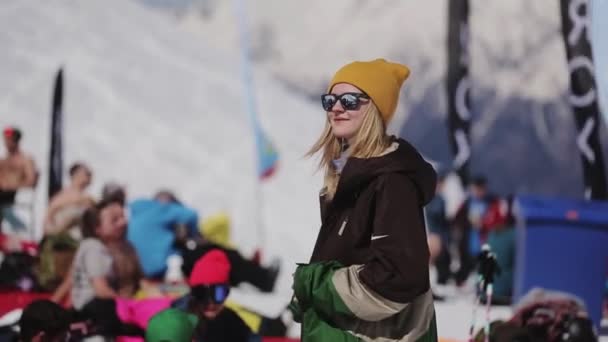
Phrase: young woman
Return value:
(369, 273)
(105, 267)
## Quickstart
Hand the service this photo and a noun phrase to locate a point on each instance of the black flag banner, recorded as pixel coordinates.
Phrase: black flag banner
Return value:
(576, 26)
(458, 86)
(56, 153)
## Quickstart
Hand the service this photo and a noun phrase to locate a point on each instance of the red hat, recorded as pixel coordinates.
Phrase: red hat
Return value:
(211, 269)
(12, 132)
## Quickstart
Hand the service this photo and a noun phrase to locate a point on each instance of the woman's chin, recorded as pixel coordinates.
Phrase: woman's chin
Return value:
(342, 134)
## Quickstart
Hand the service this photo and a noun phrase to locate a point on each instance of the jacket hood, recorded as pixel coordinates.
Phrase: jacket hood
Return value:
(404, 159)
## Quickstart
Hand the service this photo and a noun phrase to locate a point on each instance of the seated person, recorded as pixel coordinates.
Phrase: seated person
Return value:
(156, 226)
(216, 232)
(17, 171)
(171, 325)
(242, 270)
(67, 206)
(62, 231)
(105, 267)
(95, 272)
(209, 288)
(44, 321)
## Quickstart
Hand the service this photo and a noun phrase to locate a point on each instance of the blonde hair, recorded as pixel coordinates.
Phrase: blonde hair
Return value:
(371, 141)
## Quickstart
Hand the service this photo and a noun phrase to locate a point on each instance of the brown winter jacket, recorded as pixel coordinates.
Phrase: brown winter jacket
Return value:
(376, 219)
(368, 278)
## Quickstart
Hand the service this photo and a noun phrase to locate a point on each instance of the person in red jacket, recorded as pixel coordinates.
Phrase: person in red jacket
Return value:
(368, 277)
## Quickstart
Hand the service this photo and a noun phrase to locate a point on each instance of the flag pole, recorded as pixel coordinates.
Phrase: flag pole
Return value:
(247, 75)
(56, 147)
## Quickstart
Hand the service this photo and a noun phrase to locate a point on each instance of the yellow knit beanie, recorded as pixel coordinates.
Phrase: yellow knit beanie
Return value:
(379, 79)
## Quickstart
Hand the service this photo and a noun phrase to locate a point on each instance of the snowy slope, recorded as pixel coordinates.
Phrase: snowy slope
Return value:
(147, 106)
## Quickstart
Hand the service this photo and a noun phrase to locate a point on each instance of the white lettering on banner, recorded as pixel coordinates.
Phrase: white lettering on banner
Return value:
(463, 154)
(583, 140)
(460, 101)
(582, 62)
(579, 23)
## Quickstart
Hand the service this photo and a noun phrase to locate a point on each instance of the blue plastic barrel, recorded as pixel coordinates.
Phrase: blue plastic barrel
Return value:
(563, 245)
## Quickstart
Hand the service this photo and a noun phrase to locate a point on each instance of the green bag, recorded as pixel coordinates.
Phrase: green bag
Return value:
(56, 255)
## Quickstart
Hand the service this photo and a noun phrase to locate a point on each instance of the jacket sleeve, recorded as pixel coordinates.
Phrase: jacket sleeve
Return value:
(188, 217)
(336, 294)
(314, 289)
(399, 267)
(295, 309)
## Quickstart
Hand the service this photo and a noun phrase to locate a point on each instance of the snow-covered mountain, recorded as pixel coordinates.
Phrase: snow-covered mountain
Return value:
(523, 131)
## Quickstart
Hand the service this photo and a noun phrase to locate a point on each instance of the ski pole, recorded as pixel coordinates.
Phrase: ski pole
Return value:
(478, 290)
(489, 291)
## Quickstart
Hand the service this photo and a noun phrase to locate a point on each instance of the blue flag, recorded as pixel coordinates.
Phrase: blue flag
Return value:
(268, 156)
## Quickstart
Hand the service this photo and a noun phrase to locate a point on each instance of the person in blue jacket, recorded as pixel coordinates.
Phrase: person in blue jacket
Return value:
(156, 227)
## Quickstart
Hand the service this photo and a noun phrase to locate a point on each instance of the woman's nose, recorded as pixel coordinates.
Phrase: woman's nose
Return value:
(337, 108)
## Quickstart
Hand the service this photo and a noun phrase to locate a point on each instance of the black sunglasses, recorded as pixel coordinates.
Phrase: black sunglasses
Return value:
(212, 294)
(349, 101)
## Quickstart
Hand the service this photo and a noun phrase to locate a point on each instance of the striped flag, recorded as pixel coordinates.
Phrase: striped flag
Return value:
(576, 29)
(458, 86)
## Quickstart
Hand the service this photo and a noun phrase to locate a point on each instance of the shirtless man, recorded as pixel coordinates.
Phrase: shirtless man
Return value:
(67, 206)
(17, 171)
(62, 227)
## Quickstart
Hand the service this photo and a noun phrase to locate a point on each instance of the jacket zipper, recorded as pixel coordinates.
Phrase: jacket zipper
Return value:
(343, 226)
